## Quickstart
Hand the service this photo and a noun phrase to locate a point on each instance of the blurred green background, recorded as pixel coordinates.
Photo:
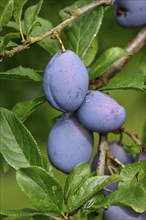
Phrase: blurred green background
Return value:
(41, 121)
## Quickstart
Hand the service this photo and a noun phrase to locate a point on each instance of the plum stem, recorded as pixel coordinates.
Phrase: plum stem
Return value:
(112, 157)
(60, 41)
(73, 15)
(134, 136)
(103, 148)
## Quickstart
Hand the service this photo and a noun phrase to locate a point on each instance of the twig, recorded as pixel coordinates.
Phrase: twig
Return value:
(133, 47)
(103, 148)
(113, 158)
(134, 135)
(74, 14)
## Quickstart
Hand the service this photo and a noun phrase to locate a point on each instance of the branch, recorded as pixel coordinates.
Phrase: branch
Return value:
(103, 148)
(134, 135)
(73, 15)
(133, 47)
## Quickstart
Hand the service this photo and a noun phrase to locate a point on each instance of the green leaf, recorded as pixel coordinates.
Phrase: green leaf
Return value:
(91, 53)
(6, 39)
(76, 33)
(49, 44)
(30, 17)
(18, 9)
(21, 73)
(24, 109)
(19, 213)
(43, 191)
(131, 192)
(106, 60)
(75, 179)
(130, 81)
(89, 188)
(5, 165)
(18, 147)
(6, 11)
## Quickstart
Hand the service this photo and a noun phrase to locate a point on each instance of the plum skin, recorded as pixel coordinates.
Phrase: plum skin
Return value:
(121, 213)
(69, 143)
(65, 81)
(101, 113)
(129, 13)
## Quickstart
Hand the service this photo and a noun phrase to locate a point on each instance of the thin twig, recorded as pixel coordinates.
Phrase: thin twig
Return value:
(103, 148)
(134, 135)
(113, 158)
(74, 14)
(133, 47)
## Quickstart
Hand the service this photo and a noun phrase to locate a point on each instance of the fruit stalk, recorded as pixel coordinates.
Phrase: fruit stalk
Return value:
(103, 148)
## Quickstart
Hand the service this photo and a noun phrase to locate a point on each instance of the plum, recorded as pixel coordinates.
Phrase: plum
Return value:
(65, 81)
(130, 13)
(69, 143)
(143, 157)
(122, 213)
(101, 113)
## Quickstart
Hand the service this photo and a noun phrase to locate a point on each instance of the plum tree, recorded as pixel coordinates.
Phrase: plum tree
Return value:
(101, 113)
(130, 13)
(122, 212)
(69, 143)
(65, 81)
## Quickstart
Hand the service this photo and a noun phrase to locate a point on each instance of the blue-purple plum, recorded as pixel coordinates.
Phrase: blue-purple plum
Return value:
(122, 213)
(142, 157)
(65, 81)
(130, 13)
(69, 143)
(101, 113)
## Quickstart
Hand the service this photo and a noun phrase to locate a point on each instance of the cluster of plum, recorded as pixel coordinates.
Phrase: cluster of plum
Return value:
(130, 13)
(70, 141)
(65, 85)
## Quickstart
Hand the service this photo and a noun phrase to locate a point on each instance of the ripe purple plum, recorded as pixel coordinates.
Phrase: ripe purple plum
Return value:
(122, 213)
(69, 143)
(101, 113)
(130, 13)
(65, 81)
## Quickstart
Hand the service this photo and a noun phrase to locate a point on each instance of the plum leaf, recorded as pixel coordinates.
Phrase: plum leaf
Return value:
(130, 81)
(76, 33)
(6, 11)
(30, 17)
(106, 60)
(24, 109)
(17, 143)
(133, 186)
(21, 73)
(75, 179)
(49, 44)
(43, 191)
(89, 188)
